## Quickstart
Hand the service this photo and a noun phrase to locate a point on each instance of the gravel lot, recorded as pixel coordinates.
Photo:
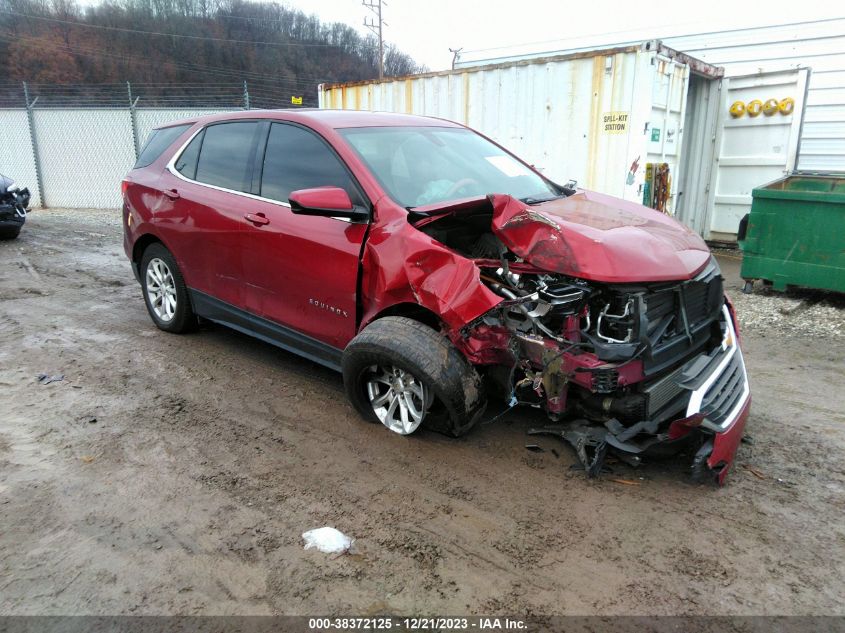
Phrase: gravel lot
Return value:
(175, 475)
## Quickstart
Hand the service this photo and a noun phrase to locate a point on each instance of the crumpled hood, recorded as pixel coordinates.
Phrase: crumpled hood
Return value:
(598, 237)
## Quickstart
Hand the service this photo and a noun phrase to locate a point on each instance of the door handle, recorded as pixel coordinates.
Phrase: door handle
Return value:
(173, 194)
(259, 219)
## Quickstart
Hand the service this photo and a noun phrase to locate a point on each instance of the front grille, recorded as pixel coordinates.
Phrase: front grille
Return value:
(662, 391)
(724, 394)
(700, 300)
(678, 319)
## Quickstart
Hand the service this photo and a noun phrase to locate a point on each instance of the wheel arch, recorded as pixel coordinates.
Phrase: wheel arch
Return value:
(142, 243)
(411, 311)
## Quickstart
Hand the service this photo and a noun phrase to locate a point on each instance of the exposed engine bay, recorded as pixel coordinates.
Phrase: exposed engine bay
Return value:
(617, 364)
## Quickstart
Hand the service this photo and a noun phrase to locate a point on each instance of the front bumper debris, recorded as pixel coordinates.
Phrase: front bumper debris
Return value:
(719, 402)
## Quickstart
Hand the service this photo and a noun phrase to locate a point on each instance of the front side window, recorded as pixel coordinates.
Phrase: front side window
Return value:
(298, 159)
(225, 156)
(158, 141)
(419, 166)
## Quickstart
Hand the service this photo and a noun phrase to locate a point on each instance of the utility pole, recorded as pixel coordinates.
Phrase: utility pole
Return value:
(377, 29)
(455, 52)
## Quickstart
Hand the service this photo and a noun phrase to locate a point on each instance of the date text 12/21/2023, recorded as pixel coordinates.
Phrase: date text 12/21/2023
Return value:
(418, 623)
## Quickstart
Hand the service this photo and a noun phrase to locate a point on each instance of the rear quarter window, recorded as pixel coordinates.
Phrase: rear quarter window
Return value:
(186, 164)
(158, 141)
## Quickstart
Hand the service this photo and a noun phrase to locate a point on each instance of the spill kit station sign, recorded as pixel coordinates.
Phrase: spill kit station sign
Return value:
(615, 122)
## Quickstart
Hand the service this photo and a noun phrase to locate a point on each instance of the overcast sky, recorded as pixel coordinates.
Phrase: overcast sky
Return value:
(426, 29)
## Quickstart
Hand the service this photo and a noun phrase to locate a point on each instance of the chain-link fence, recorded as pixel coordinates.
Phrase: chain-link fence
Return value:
(72, 144)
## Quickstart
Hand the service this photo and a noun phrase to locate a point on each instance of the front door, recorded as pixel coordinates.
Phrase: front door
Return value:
(302, 271)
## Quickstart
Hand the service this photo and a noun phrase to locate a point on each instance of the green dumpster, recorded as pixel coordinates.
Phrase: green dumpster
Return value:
(795, 233)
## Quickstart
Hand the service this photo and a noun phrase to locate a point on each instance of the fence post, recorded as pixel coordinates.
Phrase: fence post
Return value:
(133, 118)
(30, 118)
(246, 97)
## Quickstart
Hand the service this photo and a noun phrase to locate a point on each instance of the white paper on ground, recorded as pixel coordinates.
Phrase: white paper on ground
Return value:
(327, 539)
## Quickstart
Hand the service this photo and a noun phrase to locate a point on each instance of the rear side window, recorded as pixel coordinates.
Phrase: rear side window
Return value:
(158, 141)
(186, 164)
(298, 159)
(226, 153)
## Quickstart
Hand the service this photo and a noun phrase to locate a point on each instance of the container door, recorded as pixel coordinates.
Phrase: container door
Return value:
(664, 132)
(757, 136)
(697, 151)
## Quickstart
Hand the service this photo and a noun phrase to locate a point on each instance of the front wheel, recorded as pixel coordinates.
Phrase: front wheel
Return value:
(404, 374)
(165, 292)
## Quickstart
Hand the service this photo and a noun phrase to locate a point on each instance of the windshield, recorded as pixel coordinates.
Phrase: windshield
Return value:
(419, 166)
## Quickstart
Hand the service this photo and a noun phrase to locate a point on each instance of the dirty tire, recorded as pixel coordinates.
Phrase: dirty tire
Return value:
(184, 319)
(459, 400)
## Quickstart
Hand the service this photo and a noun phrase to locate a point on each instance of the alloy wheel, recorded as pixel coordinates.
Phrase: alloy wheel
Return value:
(161, 289)
(398, 398)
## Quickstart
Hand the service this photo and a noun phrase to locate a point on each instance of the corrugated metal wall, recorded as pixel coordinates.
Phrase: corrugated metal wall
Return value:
(83, 153)
(818, 45)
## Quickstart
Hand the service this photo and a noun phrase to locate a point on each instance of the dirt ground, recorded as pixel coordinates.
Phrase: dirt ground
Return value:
(175, 475)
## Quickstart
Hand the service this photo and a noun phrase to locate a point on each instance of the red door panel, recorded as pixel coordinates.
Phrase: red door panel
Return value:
(302, 271)
(205, 229)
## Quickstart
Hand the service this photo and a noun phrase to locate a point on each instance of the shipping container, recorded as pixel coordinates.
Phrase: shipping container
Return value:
(615, 120)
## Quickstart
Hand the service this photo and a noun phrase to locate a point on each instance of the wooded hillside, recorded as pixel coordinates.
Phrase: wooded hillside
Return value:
(281, 52)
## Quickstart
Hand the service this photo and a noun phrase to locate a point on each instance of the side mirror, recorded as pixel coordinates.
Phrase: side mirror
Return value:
(330, 202)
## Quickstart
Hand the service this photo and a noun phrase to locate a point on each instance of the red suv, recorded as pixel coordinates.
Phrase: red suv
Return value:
(436, 270)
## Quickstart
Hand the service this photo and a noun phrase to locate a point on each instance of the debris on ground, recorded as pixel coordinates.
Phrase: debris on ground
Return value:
(626, 482)
(46, 379)
(328, 540)
(754, 472)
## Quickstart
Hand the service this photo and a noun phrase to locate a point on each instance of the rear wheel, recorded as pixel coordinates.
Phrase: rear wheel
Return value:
(165, 292)
(404, 374)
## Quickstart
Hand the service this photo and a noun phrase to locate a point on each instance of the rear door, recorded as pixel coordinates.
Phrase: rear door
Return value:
(751, 150)
(204, 223)
(302, 271)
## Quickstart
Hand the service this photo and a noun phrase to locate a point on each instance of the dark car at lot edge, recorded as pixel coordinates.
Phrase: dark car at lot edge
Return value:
(438, 272)
(14, 201)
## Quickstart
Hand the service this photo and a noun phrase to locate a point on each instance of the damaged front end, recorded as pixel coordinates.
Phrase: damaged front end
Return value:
(593, 329)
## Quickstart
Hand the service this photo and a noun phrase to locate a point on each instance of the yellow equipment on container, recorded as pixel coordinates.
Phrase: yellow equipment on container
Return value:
(737, 109)
(770, 107)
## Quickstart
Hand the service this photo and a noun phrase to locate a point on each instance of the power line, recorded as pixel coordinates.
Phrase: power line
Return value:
(213, 70)
(650, 29)
(192, 37)
(304, 78)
